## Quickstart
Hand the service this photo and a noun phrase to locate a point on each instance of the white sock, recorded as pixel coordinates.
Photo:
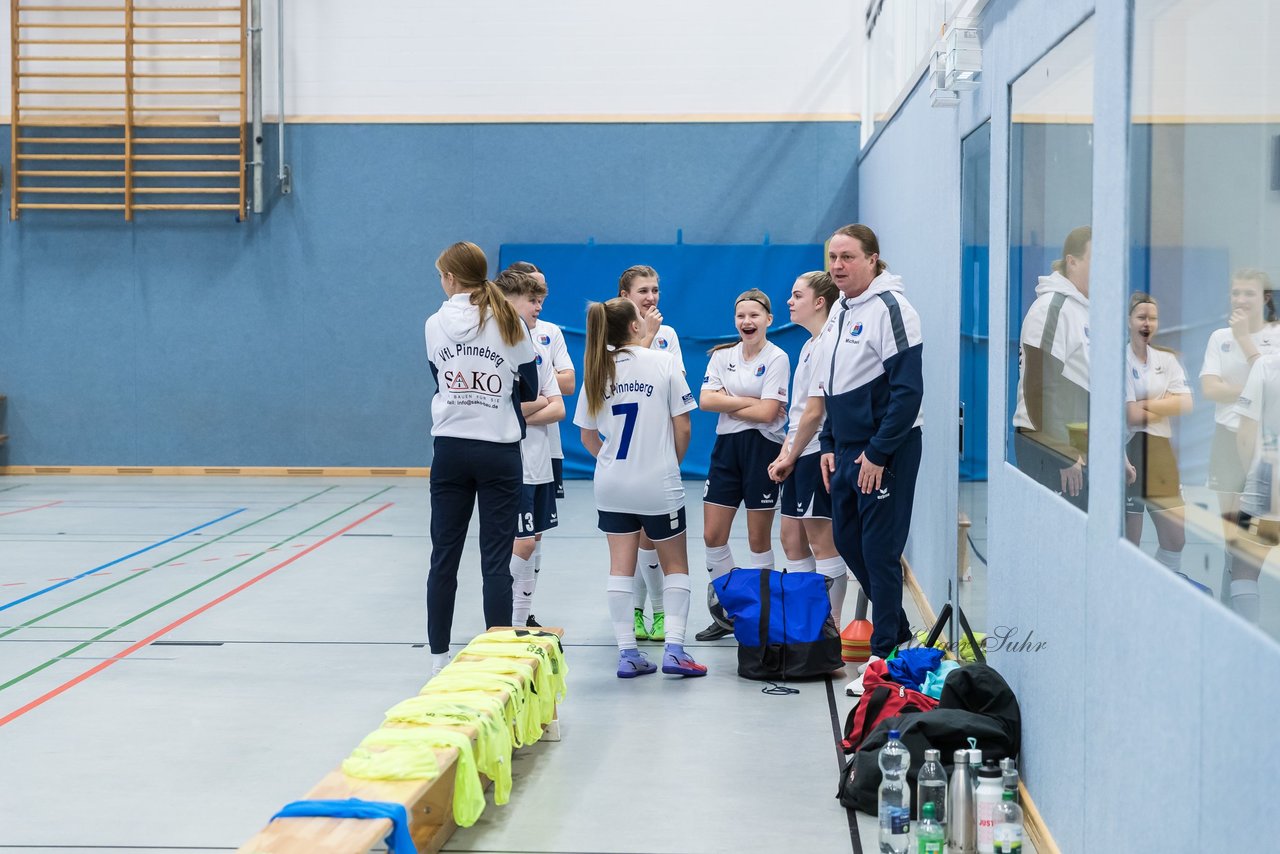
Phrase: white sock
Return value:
(675, 589)
(804, 564)
(621, 588)
(523, 582)
(837, 585)
(438, 662)
(537, 556)
(650, 569)
(1171, 559)
(719, 561)
(762, 560)
(1245, 600)
(642, 586)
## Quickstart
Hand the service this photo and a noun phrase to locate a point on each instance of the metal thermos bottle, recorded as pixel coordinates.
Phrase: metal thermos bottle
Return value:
(962, 828)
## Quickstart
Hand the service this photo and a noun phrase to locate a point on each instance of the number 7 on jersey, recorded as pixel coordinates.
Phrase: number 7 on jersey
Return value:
(628, 411)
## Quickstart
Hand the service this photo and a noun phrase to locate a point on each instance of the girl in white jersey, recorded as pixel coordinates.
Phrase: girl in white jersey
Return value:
(1251, 334)
(633, 412)
(1155, 390)
(548, 341)
(483, 363)
(746, 383)
(640, 285)
(543, 415)
(806, 505)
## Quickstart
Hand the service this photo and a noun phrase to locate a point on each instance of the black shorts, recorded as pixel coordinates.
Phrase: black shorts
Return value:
(740, 471)
(804, 496)
(537, 510)
(1226, 474)
(659, 527)
(1158, 485)
(557, 472)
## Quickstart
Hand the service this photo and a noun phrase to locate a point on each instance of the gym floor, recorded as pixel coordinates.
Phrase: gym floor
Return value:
(182, 656)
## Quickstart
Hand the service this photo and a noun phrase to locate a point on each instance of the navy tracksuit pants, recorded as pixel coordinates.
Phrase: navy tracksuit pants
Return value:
(870, 533)
(463, 470)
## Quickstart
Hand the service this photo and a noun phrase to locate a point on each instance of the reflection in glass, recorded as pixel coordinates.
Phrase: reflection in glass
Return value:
(1156, 394)
(1052, 418)
(1204, 215)
(1051, 206)
(975, 218)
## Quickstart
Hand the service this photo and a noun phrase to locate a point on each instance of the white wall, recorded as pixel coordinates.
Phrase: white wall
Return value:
(502, 59)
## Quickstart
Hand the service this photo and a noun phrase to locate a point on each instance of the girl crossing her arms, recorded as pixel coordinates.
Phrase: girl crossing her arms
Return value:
(746, 383)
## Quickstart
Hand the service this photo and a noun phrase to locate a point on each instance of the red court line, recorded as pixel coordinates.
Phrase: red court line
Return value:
(98, 668)
(29, 509)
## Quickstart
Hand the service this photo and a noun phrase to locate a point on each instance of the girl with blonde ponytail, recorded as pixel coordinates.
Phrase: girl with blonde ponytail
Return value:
(633, 412)
(483, 372)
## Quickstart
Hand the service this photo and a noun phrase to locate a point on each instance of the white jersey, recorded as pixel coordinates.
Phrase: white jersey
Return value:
(636, 470)
(1260, 402)
(1161, 376)
(548, 341)
(800, 385)
(478, 375)
(666, 341)
(535, 450)
(1057, 325)
(1223, 359)
(764, 377)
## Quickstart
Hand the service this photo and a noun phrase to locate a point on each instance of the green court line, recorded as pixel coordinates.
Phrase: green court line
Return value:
(15, 486)
(131, 576)
(15, 680)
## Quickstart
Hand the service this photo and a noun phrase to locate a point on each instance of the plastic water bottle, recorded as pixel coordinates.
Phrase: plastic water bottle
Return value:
(931, 787)
(989, 796)
(929, 836)
(895, 796)
(1008, 831)
(1010, 770)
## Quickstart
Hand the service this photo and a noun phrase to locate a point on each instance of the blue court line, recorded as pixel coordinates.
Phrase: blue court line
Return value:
(30, 596)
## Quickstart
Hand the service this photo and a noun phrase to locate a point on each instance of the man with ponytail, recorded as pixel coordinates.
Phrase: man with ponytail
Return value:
(869, 381)
(634, 414)
(484, 366)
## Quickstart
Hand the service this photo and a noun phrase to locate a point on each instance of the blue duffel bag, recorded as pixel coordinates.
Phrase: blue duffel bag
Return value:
(782, 621)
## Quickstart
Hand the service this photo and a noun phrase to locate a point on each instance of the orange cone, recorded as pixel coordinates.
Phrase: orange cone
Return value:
(855, 641)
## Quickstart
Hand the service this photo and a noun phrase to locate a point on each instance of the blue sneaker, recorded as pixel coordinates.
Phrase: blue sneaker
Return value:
(677, 662)
(631, 666)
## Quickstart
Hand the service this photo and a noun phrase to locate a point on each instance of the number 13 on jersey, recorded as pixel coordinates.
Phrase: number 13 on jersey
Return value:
(628, 411)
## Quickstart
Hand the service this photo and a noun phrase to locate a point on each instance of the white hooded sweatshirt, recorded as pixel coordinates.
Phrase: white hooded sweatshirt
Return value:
(1056, 329)
(480, 379)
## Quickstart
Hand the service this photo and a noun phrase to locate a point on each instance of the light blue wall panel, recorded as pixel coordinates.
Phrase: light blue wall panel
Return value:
(1145, 714)
(296, 339)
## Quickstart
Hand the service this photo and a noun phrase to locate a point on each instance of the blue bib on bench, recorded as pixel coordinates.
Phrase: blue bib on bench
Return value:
(398, 841)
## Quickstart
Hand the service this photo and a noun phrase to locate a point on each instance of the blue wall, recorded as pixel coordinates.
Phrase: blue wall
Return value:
(699, 285)
(296, 339)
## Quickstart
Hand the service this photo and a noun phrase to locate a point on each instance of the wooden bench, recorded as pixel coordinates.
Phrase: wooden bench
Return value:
(429, 804)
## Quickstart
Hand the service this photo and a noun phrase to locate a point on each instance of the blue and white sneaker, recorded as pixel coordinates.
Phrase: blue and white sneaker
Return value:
(631, 666)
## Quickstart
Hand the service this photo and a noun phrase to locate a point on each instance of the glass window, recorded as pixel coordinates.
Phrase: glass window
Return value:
(975, 216)
(1050, 245)
(902, 38)
(1202, 367)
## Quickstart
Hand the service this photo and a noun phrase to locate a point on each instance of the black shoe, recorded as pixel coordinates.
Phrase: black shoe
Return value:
(717, 611)
(532, 623)
(715, 631)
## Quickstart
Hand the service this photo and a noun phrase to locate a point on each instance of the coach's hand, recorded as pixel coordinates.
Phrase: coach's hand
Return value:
(828, 465)
(869, 474)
